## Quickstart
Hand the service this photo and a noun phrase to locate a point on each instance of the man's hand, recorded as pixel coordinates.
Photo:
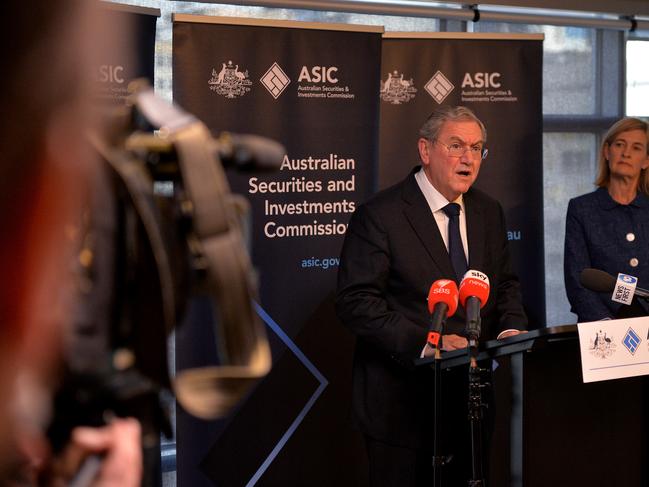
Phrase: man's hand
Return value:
(116, 449)
(510, 333)
(453, 342)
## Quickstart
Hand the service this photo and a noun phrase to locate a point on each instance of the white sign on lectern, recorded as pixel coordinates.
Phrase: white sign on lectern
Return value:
(614, 349)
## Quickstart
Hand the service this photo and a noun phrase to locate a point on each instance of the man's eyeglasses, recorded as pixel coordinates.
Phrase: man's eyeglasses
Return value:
(455, 149)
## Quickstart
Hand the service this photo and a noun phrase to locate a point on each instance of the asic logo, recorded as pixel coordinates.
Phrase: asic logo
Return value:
(481, 80)
(318, 74)
(439, 87)
(275, 80)
(631, 341)
(111, 74)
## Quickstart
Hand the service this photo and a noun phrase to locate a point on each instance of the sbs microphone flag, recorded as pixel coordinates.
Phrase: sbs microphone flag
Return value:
(442, 303)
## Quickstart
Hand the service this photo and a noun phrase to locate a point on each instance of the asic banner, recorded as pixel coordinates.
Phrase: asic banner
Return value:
(499, 77)
(132, 54)
(315, 89)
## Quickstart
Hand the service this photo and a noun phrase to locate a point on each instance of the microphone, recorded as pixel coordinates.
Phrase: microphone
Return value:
(442, 303)
(602, 282)
(596, 280)
(474, 293)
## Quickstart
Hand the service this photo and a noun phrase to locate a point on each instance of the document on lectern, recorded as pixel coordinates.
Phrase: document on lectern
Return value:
(613, 349)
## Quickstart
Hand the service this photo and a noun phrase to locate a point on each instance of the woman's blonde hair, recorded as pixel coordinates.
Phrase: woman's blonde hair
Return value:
(624, 125)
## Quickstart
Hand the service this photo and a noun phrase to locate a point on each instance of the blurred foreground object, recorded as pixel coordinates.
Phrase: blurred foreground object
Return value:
(163, 227)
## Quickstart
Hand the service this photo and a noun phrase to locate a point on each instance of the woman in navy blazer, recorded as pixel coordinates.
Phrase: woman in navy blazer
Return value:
(608, 229)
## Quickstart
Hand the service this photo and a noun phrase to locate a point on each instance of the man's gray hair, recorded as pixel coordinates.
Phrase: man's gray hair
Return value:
(433, 124)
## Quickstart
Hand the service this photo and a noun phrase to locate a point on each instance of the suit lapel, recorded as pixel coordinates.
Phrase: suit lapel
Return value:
(422, 221)
(476, 232)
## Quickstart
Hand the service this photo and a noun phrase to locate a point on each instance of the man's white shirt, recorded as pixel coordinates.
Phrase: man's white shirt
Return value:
(436, 202)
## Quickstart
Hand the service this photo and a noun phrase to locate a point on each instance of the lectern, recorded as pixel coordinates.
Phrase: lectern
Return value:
(551, 429)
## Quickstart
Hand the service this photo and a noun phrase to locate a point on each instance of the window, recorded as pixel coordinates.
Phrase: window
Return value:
(637, 78)
(568, 65)
(569, 168)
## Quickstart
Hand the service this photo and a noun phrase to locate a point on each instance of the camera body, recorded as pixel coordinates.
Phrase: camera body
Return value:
(162, 227)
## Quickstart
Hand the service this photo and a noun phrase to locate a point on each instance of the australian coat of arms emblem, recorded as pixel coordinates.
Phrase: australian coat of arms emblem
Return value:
(230, 81)
(601, 345)
(397, 90)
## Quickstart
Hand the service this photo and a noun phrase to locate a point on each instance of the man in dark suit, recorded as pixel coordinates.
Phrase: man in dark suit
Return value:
(396, 246)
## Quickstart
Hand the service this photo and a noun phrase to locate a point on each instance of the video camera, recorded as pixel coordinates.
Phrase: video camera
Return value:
(162, 227)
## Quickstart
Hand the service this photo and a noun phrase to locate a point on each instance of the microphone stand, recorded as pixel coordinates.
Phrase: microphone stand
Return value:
(438, 460)
(475, 404)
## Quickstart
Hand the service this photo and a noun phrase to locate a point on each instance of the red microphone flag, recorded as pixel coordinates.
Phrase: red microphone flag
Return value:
(443, 291)
(474, 284)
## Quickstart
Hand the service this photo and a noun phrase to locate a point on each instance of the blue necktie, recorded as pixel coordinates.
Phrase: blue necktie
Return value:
(455, 247)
